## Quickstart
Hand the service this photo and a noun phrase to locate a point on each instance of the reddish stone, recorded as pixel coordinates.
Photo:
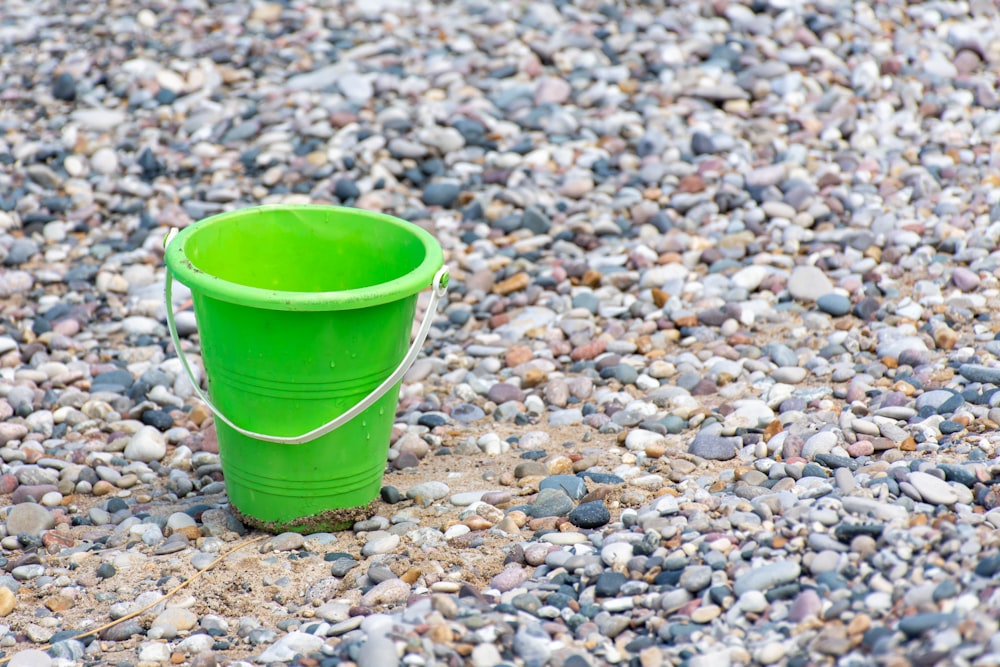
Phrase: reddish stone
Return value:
(209, 441)
(56, 541)
(8, 483)
(588, 351)
(517, 355)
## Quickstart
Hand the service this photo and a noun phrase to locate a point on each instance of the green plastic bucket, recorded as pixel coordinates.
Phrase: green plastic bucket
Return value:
(304, 315)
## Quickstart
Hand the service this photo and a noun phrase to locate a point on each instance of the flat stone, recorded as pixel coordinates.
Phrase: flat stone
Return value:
(551, 502)
(290, 645)
(714, 447)
(146, 445)
(572, 486)
(979, 373)
(590, 515)
(808, 283)
(387, 593)
(834, 304)
(29, 519)
(766, 577)
(932, 489)
(428, 491)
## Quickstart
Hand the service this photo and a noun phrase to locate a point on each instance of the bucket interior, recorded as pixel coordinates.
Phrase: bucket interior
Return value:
(305, 250)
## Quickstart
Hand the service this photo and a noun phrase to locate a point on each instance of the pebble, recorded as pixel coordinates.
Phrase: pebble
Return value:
(551, 502)
(288, 646)
(713, 447)
(808, 283)
(146, 445)
(29, 519)
(932, 489)
(766, 577)
(389, 592)
(590, 515)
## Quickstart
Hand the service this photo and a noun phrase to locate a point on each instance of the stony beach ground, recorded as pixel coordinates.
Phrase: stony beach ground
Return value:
(717, 378)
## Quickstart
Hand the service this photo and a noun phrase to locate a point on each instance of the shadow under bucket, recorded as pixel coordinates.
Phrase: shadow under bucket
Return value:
(304, 314)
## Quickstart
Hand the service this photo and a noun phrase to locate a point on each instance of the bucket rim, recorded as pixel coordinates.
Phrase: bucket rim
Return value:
(199, 281)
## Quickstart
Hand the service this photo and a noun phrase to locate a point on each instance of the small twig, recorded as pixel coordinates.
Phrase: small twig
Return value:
(137, 612)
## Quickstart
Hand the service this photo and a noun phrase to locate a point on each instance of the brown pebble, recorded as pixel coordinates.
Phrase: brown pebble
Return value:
(515, 283)
(588, 351)
(508, 526)
(7, 601)
(103, 488)
(691, 183)
(559, 465)
(476, 522)
(543, 523)
(533, 378)
(58, 603)
(517, 355)
(860, 624)
(660, 297)
(518, 517)
(655, 450)
(441, 634)
(591, 279)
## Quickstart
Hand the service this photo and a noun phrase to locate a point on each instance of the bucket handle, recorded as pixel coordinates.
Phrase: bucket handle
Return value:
(439, 285)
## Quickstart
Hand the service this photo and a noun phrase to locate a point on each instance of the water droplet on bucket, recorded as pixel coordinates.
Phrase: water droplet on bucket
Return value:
(364, 424)
(333, 364)
(368, 436)
(381, 411)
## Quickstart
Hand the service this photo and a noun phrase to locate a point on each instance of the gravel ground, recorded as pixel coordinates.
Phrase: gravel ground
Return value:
(716, 382)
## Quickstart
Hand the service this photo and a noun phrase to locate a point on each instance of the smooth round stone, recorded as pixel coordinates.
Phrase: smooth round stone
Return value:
(175, 619)
(29, 519)
(441, 194)
(389, 592)
(590, 515)
(834, 304)
(609, 583)
(509, 579)
(638, 440)
(550, 502)
(714, 447)
(947, 427)
(146, 445)
(380, 544)
(571, 485)
(285, 542)
(565, 417)
(933, 489)
(290, 645)
(789, 374)
(824, 561)
(30, 658)
(428, 491)
(465, 499)
(768, 576)
(564, 538)
(752, 602)
(771, 653)
(616, 554)
(808, 283)
(695, 578)
(979, 373)
(467, 413)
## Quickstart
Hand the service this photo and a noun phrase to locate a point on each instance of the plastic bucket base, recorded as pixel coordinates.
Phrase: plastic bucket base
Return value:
(302, 312)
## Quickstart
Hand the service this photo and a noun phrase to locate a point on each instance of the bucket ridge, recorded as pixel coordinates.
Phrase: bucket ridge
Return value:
(298, 389)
